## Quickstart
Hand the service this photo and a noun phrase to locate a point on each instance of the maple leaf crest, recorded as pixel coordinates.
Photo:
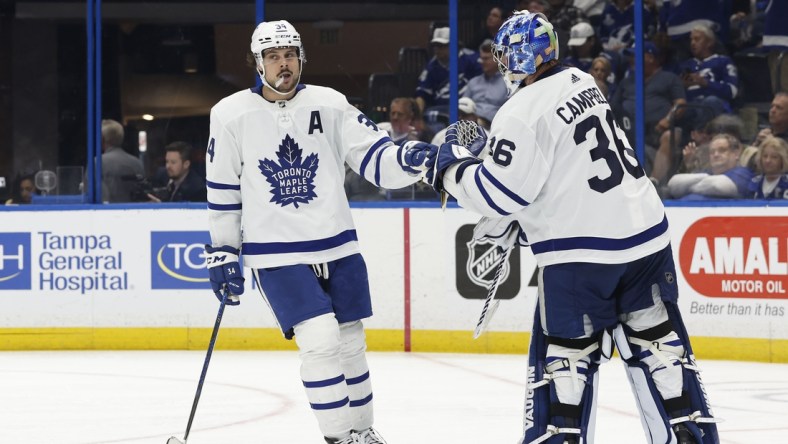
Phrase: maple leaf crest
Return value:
(292, 179)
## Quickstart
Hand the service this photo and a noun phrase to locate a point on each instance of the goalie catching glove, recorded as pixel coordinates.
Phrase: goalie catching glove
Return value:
(465, 141)
(225, 272)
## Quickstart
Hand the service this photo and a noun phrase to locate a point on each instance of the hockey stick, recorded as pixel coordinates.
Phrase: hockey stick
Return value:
(174, 440)
(489, 310)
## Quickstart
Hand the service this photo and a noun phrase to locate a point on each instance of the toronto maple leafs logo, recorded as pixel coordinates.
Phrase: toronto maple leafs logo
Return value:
(292, 179)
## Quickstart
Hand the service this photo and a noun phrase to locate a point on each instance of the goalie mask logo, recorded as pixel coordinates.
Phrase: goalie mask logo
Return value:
(476, 264)
(292, 178)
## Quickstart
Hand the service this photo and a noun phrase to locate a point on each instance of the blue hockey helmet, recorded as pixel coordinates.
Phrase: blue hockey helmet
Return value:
(524, 41)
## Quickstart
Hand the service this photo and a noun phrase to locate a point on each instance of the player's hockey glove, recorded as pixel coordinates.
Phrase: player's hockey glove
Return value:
(504, 232)
(225, 272)
(468, 134)
(448, 154)
(414, 155)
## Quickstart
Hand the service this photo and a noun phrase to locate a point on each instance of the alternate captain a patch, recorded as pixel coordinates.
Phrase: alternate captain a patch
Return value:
(292, 179)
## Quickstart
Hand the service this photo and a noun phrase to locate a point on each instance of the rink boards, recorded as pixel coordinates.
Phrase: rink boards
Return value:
(134, 278)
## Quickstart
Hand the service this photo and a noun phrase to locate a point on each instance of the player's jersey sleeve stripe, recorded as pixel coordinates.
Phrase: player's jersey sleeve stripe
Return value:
(371, 152)
(601, 243)
(224, 207)
(377, 167)
(222, 186)
(509, 193)
(486, 195)
(463, 166)
(258, 248)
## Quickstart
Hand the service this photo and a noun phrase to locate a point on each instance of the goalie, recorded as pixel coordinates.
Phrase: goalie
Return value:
(558, 165)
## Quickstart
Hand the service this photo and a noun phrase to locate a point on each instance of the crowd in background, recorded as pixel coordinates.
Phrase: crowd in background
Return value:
(707, 135)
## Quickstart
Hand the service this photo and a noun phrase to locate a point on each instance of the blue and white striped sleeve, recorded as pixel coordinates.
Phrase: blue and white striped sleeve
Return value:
(506, 181)
(371, 153)
(223, 180)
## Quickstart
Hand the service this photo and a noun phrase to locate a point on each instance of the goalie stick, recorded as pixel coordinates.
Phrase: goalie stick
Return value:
(489, 310)
(174, 440)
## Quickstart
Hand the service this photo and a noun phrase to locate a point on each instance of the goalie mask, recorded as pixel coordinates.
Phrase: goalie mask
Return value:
(278, 34)
(525, 41)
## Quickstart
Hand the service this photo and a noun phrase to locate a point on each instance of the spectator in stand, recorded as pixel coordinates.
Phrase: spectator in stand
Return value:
(424, 132)
(433, 88)
(617, 29)
(725, 178)
(183, 184)
(22, 190)
(711, 79)
(772, 162)
(533, 6)
(662, 93)
(120, 171)
(678, 19)
(778, 119)
(493, 21)
(562, 15)
(775, 40)
(602, 70)
(592, 9)
(400, 124)
(466, 111)
(583, 46)
(695, 155)
(746, 26)
(488, 90)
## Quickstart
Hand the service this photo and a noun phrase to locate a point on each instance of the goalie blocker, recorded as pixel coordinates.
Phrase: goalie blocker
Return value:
(562, 387)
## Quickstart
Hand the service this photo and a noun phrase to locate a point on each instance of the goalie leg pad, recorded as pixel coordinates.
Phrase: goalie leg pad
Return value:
(356, 370)
(318, 342)
(561, 392)
(662, 373)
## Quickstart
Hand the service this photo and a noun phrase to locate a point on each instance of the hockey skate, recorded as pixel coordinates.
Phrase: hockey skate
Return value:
(683, 434)
(352, 439)
(370, 436)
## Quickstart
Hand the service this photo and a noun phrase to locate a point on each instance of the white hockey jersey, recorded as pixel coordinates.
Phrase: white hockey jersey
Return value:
(559, 164)
(276, 171)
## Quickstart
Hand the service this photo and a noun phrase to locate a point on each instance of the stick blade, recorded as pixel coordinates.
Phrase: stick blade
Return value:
(483, 326)
(174, 440)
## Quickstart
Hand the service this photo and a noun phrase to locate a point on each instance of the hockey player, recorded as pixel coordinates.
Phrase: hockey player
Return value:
(275, 173)
(559, 165)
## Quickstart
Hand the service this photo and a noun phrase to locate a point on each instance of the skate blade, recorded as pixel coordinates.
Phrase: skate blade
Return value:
(174, 440)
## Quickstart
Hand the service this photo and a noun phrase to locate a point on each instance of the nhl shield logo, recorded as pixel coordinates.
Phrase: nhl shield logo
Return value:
(475, 264)
(292, 179)
(482, 263)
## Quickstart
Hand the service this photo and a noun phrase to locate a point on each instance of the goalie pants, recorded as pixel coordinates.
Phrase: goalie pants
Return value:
(321, 307)
(583, 308)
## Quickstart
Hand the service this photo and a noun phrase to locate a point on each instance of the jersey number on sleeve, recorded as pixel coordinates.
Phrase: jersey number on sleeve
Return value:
(211, 148)
(365, 120)
(502, 151)
(616, 163)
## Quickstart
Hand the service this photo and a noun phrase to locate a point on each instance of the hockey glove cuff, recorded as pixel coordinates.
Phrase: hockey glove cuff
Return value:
(225, 273)
(447, 156)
